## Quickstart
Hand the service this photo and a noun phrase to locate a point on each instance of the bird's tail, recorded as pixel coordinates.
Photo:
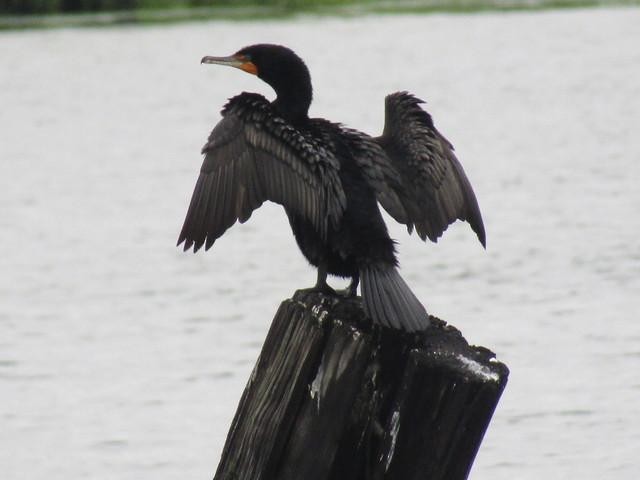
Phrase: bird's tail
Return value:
(389, 301)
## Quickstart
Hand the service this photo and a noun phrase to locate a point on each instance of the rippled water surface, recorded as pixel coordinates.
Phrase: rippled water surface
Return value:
(123, 358)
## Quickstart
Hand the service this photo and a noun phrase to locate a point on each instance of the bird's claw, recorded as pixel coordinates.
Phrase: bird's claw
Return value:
(325, 289)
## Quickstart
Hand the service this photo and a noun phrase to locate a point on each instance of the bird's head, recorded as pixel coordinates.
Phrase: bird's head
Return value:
(278, 66)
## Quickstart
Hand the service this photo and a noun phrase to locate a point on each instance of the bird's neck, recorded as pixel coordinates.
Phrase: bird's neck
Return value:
(293, 104)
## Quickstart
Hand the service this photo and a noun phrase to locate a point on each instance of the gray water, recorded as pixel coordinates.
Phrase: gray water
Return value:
(123, 358)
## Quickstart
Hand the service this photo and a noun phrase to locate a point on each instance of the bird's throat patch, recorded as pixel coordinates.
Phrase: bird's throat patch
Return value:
(249, 67)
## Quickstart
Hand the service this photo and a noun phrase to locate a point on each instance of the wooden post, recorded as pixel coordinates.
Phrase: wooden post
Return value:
(332, 397)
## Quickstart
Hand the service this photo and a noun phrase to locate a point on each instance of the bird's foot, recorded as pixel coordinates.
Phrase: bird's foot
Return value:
(321, 288)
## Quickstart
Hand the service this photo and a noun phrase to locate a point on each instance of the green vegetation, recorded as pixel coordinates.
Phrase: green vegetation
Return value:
(53, 13)
(18, 7)
(62, 6)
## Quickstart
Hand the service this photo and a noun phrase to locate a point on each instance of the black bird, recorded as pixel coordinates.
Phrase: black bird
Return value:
(330, 179)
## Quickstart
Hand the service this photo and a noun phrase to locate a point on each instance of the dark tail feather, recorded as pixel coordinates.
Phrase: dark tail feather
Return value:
(389, 301)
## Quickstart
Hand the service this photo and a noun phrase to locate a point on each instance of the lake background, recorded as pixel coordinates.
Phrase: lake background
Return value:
(123, 358)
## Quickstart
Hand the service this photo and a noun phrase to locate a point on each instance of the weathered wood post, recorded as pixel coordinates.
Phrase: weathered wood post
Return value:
(332, 397)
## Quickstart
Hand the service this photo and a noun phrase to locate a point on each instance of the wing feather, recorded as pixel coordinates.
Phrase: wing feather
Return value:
(435, 190)
(252, 156)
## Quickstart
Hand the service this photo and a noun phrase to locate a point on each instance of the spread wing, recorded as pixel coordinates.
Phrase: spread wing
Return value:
(435, 189)
(251, 157)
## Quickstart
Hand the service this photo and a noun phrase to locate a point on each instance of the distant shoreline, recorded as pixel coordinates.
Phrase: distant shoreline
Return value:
(314, 8)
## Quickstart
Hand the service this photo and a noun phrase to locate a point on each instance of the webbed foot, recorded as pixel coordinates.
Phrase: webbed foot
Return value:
(322, 288)
(321, 285)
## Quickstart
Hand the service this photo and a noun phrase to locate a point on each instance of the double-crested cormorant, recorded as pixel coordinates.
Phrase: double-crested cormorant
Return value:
(329, 179)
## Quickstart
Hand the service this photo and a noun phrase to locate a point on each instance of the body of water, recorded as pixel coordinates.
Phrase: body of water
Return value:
(123, 358)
